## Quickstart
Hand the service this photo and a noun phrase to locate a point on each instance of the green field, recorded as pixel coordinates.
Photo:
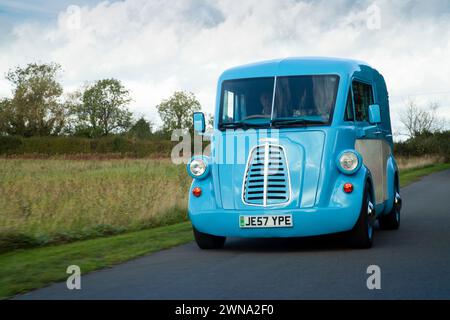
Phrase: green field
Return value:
(54, 201)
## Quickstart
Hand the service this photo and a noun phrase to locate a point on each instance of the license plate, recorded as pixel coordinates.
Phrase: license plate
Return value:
(266, 221)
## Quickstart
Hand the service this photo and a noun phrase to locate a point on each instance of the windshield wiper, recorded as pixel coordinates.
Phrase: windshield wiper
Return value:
(294, 122)
(231, 125)
(241, 124)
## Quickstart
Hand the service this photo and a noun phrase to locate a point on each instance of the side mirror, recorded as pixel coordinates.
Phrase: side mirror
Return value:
(374, 114)
(199, 122)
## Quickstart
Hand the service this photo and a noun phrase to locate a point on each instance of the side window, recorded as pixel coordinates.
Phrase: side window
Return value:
(228, 112)
(363, 96)
(349, 108)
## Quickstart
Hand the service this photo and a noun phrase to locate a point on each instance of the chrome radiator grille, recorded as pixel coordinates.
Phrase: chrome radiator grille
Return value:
(266, 180)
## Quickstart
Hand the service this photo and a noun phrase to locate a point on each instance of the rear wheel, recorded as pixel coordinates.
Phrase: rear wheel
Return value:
(361, 235)
(208, 241)
(391, 221)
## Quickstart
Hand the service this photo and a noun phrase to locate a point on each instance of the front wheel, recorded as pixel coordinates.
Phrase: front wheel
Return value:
(391, 221)
(208, 241)
(361, 236)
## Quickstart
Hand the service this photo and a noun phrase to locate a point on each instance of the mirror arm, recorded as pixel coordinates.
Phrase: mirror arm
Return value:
(362, 132)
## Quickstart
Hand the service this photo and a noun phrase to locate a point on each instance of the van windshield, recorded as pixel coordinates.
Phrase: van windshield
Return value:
(297, 100)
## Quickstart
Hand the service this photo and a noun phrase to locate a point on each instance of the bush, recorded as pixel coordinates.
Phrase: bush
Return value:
(426, 144)
(10, 240)
(54, 146)
(9, 144)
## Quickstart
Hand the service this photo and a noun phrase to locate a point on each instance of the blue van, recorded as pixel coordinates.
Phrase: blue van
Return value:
(301, 147)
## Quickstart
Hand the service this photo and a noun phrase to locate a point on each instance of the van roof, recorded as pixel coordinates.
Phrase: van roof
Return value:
(296, 66)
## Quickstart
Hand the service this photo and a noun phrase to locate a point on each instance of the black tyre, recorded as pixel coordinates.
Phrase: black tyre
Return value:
(391, 221)
(208, 241)
(361, 236)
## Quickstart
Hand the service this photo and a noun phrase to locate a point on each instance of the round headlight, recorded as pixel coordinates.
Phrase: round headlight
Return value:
(349, 162)
(197, 167)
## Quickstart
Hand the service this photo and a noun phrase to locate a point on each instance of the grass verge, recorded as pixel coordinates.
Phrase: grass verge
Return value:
(26, 269)
(411, 175)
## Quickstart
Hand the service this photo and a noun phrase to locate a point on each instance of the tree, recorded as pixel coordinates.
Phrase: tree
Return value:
(210, 121)
(176, 112)
(142, 129)
(72, 103)
(418, 120)
(35, 108)
(4, 115)
(103, 109)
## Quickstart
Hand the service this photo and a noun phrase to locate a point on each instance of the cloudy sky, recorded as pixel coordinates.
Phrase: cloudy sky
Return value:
(156, 46)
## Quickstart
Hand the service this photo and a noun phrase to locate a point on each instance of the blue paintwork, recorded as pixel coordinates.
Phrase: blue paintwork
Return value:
(199, 122)
(318, 204)
(374, 114)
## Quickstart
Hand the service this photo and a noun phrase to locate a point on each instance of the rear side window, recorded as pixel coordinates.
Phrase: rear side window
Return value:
(363, 98)
(349, 108)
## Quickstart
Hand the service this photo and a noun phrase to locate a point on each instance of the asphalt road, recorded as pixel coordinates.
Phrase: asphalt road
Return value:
(414, 262)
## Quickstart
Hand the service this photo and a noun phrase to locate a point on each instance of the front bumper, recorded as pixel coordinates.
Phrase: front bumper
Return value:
(338, 214)
(306, 222)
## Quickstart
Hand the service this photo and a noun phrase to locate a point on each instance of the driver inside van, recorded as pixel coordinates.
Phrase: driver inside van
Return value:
(266, 102)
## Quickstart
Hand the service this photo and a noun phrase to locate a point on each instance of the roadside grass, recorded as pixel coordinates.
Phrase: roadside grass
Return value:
(26, 269)
(408, 176)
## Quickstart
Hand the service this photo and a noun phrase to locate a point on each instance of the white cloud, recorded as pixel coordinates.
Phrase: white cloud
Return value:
(157, 47)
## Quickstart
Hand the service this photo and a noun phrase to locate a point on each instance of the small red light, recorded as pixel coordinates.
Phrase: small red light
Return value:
(348, 187)
(197, 192)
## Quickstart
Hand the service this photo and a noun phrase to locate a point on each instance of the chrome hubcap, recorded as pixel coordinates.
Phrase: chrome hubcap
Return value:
(398, 205)
(370, 210)
(371, 218)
